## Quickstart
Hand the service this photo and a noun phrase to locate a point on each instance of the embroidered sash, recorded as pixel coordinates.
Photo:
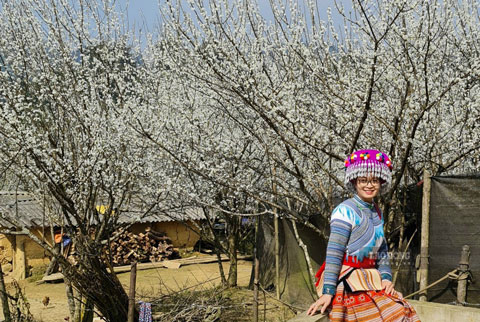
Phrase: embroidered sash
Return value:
(358, 279)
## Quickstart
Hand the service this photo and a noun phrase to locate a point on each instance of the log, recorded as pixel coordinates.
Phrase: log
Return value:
(142, 247)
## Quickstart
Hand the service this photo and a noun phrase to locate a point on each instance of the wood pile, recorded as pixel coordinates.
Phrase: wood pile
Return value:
(150, 246)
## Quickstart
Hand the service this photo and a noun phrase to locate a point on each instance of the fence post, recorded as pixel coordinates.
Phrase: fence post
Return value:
(256, 270)
(463, 266)
(277, 253)
(255, 291)
(131, 292)
(425, 234)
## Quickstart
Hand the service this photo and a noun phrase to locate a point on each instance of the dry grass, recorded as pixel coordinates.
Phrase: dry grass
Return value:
(217, 304)
(185, 290)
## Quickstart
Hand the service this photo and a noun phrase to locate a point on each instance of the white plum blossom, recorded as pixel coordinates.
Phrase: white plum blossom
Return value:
(226, 110)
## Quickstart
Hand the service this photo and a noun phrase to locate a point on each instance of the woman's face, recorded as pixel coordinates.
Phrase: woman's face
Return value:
(367, 187)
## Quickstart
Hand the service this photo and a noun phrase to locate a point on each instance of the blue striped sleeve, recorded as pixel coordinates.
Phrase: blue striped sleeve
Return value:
(383, 262)
(340, 228)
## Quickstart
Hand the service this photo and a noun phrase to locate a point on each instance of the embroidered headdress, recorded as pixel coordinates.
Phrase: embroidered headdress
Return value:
(364, 163)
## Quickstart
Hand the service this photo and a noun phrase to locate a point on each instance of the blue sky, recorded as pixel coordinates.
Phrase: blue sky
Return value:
(141, 12)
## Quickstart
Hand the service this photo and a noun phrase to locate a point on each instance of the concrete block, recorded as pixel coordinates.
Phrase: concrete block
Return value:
(437, 312)
(303, 317)
(427, 312)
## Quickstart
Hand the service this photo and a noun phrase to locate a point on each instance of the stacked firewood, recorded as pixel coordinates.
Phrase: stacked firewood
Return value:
(150, 246)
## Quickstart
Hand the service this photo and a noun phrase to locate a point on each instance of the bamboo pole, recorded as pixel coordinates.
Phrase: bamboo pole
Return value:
(131, 292)
(425, 234)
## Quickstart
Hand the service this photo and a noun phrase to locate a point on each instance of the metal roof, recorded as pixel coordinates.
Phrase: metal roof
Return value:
(22, 206)
(28, 210)
(156, 216)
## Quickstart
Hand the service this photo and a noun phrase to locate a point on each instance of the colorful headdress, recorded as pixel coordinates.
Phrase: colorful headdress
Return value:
(364, 163)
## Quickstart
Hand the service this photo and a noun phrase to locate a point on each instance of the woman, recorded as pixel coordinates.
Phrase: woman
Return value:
(355, 282)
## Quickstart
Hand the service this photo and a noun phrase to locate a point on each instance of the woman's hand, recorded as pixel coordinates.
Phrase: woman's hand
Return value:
(323, 302)
(388, 287)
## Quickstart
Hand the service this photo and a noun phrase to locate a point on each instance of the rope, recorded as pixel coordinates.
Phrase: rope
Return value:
(465, 304)
(290, 306)
(451, 275)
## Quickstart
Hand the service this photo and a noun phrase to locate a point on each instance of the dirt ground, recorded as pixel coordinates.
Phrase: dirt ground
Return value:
(151, 284)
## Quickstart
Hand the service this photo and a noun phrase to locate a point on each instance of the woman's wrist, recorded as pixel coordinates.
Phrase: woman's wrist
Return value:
(386, 276)
(329, 289)
(324, 298)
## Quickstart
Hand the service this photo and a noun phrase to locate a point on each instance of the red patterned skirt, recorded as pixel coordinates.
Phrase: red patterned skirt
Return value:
(370, 306)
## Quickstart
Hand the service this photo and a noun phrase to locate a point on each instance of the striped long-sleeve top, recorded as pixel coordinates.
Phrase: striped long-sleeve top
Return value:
(356, 231)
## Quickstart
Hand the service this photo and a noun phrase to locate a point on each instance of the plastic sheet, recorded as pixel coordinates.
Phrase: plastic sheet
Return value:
(454, 222)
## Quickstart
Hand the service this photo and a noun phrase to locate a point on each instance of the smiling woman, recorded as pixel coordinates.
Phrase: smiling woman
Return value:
(367, 188)
(355, 282)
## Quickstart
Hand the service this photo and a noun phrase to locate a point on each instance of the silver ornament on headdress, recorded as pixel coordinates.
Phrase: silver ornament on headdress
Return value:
(365, 169)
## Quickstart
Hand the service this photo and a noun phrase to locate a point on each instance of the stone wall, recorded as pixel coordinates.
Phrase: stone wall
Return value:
(6, 252)
(19, 254)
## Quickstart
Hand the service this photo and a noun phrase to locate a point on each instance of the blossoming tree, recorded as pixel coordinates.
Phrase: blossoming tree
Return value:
(226, 110)
(68, 78)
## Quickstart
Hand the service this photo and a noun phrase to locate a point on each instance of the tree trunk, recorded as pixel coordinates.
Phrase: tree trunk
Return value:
(98, 287)
(91, 278)
(220, 265)
(53, 265)
(78, 307)
(218, 247)
(232, 254)
(87, 315)
(106, 292)
(70, 299)
(232, 246)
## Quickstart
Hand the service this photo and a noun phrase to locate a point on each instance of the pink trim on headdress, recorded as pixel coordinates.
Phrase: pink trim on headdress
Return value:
(363, 163)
